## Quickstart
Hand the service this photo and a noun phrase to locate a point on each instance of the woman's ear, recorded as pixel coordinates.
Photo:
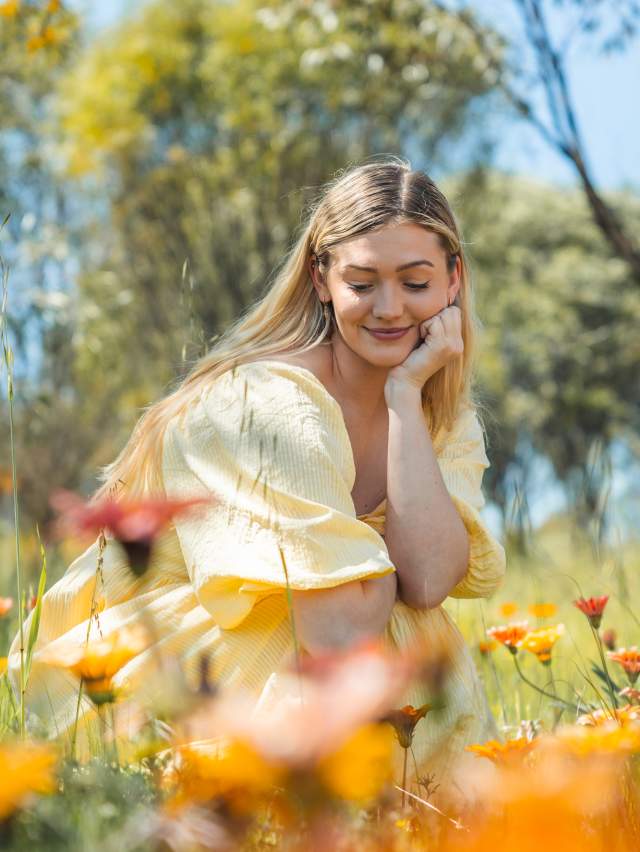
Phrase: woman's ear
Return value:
(317, 277)
(455, 280)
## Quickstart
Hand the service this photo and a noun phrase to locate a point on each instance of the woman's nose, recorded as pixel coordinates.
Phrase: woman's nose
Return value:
(389, 303)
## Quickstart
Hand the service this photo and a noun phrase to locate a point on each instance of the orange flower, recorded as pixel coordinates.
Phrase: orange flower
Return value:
(405, 720)
(508, 609)
(97, 661)
(629, 659)
(510, 635)
(543, 610)
(505, 753)
(25, 768)
(592, 608)
(607, 736)
(5, 606)
(486, 646)
(134, 524)
(621, 715)
(540, 642)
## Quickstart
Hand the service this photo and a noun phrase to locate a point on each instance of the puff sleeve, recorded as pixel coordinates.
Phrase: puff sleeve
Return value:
(268, 443)
(462, 461)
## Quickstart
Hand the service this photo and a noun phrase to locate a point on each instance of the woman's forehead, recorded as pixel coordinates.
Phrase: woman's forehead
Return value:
(392, 246)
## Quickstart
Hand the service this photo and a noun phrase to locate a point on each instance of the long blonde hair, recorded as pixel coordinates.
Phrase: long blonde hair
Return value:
(289, 316)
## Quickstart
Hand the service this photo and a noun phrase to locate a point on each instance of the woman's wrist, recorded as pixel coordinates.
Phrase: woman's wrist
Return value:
(399, 394)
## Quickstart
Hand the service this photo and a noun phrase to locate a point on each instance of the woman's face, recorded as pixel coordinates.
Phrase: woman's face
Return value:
(393, 278)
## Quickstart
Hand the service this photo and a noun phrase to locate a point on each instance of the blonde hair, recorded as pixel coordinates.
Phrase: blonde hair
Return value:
(289, 317)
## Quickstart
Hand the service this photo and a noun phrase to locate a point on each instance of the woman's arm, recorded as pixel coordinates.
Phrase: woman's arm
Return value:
(425, 536)
(336, 618)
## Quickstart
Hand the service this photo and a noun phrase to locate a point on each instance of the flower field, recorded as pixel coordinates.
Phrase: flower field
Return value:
(203, 770)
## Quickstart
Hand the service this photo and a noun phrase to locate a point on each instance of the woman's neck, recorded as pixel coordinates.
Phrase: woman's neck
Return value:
(358, 385)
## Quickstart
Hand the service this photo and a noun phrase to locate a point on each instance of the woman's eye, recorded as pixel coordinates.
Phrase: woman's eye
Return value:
(360, 288)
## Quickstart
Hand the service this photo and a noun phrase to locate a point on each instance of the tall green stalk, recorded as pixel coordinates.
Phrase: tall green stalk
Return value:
(8, 360)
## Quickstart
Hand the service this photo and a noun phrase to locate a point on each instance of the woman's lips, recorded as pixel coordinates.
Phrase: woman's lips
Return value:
(388, 335)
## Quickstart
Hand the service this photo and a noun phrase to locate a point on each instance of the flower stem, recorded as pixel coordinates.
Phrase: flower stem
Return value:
(603, 659)
(539, 689)
(404, 775)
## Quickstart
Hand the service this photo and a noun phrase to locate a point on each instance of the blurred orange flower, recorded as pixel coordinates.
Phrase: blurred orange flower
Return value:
(629, 659)
(503, 753)
(25, 768)
(5, 605)
(621, 715)
(486, 646)
(609, 638)
(607, 736)
(510, 635)
(541, 642)
(508, 609)
(97, 661)
(543, 610)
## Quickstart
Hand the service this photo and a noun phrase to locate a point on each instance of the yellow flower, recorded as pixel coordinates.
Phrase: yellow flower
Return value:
(501, 754)
(362, 766)
(540, 642)
(3, 665)
(508, 609)
(97, 661)
(25, 768)
(9, 9)
(224, 768)
(543, 610)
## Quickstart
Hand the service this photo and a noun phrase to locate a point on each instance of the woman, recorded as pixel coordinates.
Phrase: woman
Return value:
(337, 448)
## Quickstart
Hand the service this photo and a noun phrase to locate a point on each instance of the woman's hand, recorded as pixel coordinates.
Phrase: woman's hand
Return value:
(442, 343)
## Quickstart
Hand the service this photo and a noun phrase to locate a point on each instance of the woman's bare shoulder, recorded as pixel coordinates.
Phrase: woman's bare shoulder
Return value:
(317, 361)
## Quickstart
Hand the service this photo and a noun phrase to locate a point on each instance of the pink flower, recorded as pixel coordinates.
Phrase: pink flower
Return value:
(135, 524)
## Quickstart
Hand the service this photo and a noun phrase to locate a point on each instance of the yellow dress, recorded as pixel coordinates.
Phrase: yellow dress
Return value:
(270, 443)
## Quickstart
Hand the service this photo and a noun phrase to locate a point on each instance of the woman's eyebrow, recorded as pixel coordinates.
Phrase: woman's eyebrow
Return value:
(398, 269)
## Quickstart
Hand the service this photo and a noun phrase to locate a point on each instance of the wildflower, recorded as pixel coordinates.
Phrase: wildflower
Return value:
(202, 771)
(540, 642)
(98, 661)
(631, 693)
(543, 610)
(508, 609)
(25, 768)
(607, 736)
(359, 769)
(486, 646)
(629, 659)
(3, 665)
(503, 753)
(5, 606)
(609, 638)
(404, 722)
(134, 524)
(621, 715)
(592, 608)
(510, 635)
(9, 9)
